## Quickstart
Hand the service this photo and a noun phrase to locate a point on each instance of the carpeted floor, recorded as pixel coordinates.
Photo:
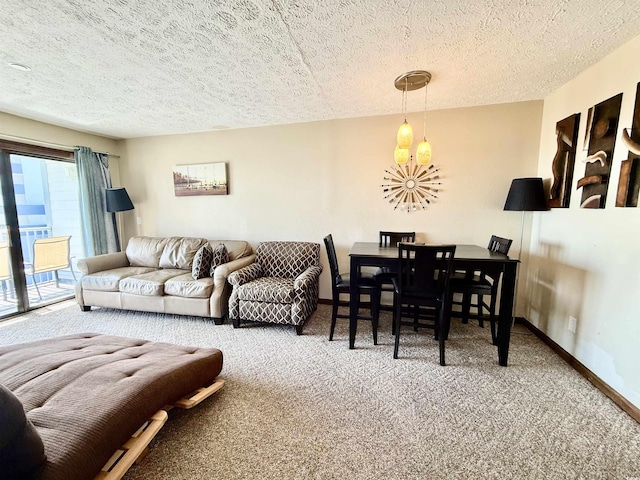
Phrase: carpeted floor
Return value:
(306, 408)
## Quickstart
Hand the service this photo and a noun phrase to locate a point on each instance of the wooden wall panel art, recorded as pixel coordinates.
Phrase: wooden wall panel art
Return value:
(629, 183)
(564, 161)
(602, 141)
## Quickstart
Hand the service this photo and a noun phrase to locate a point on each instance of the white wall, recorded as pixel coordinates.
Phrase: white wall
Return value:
(303, 181)
(585, 263)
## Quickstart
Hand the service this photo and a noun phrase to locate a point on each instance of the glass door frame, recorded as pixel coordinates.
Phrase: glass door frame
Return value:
(13, 233)
(7, 148)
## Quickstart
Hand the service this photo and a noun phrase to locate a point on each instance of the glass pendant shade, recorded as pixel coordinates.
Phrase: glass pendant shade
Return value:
(405, 136)
(423, 154)
(401, 155)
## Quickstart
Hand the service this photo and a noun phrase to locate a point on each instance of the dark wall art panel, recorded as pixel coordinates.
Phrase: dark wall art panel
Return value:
(602, 140)
(563, 161)
(629, 183)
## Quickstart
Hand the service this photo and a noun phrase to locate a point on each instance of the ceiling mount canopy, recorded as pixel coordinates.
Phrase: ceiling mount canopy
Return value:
(413, 80)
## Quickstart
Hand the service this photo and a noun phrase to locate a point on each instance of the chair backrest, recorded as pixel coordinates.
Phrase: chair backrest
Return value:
(392, 239)
(50, 254)
(499, 244)
(333, 258)
(5, 268)
(424, 270)
(287, 259)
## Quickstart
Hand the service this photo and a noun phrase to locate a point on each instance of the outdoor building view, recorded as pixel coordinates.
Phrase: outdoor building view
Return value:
(46, 197)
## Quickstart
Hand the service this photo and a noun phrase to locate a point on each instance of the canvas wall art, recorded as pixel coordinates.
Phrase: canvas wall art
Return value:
(629, 184)
(563, 161)
(200, 179)
(602, 140)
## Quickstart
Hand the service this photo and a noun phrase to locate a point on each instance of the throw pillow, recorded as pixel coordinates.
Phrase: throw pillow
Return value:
(202, 262)
(21, 448)
(220, 256)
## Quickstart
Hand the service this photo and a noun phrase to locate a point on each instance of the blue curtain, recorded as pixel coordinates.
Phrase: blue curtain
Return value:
(93, 179)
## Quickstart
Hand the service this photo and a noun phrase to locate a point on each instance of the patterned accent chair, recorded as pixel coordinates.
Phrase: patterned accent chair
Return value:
(280, 287)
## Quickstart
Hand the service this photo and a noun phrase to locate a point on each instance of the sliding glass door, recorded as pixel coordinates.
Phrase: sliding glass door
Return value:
(41, 230)
(8, 300)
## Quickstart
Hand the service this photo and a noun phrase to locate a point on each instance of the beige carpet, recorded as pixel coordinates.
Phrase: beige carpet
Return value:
(306, 408)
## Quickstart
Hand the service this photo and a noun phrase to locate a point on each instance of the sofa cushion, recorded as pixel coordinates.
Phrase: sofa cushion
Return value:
(179, 252)
(149, 284)
(220, 257)
(202, 262)
(145, 251)
(236, 248)
(109, 280)
(21, 448)
(186, 286)
(267, 289)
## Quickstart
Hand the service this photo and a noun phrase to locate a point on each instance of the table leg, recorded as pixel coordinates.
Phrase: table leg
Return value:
(353, 300)
(505, 318)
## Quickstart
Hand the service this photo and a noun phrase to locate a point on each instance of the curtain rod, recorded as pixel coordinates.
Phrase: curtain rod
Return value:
(39, 143)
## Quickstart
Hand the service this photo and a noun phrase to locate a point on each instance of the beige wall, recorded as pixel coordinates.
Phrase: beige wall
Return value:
(303, 181)
(585, 263)
(10, 125)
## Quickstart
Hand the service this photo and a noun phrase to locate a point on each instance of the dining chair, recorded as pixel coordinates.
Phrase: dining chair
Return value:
(481, 284)
(49, 255)
(421, 290)
(385, 275)
(340, 285)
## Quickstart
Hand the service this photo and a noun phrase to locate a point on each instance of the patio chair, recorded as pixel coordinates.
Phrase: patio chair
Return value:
(49, 255)
(5, 269)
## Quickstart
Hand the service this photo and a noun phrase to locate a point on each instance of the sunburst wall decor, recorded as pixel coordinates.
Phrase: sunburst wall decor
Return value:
(411, 187)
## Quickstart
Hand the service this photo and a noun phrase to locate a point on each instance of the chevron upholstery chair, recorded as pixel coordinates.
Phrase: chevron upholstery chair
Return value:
(280, 287)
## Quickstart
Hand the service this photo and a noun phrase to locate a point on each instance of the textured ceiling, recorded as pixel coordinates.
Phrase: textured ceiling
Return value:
(129, 68)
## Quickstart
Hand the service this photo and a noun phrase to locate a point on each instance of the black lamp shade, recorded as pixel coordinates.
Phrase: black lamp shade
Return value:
(526, 194)
(118, 200)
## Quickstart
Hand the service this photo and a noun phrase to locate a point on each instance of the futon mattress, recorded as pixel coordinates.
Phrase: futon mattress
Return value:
(86, 394)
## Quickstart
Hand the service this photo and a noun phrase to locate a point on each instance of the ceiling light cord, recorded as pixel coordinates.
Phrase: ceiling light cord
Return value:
(424, 126)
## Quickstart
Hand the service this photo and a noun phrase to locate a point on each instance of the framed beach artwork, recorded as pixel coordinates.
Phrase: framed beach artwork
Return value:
(200, 179)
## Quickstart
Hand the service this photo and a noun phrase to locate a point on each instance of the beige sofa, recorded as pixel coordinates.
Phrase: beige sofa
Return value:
(153, 274)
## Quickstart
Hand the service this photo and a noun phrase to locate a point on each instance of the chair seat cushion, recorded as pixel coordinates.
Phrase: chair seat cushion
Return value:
(109, 280)
(459, 281)
(267, 289)
(185, 286)
(365, 278)
(149, 284)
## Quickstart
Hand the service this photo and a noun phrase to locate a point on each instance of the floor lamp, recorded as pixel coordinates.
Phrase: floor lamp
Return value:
(525, 195)
(118, 201)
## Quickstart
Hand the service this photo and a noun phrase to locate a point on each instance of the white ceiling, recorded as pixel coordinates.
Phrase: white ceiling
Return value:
(130, 68)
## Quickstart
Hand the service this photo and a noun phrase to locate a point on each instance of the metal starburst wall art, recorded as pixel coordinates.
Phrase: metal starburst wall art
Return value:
(410, 187)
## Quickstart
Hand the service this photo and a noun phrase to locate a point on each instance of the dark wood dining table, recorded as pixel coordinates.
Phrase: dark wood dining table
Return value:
(467, 257)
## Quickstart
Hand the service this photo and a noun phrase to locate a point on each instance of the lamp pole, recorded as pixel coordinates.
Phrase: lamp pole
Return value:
(525, 195)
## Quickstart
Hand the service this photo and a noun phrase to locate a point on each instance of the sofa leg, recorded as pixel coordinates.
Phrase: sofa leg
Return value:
(235, 322)
(218, 320)
(299, 329)
(85, 308)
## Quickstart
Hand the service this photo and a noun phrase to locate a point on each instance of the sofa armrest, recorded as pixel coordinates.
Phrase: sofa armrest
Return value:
(307, 278)
(245, 274)
(108, 261)
(222, 272)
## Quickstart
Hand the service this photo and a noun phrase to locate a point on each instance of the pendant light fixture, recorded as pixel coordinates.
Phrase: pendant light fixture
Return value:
(405, 133)
(406, 82)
